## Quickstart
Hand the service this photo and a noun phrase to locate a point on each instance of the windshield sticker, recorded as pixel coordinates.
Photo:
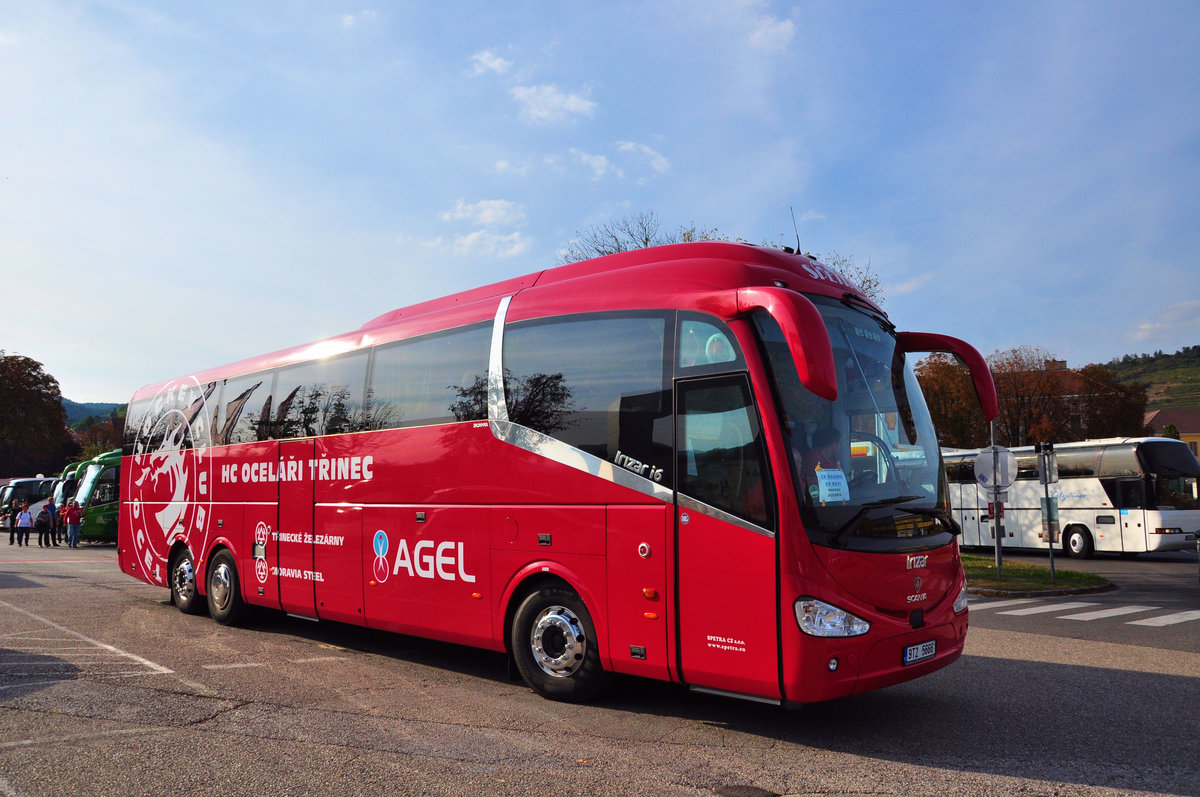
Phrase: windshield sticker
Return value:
(832, 486)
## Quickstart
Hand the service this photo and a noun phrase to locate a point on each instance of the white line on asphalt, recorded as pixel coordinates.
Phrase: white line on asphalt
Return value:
(318, 658)
(1101, 614)
(232, 666)
(1056, 607)
(999, 604)
(79, 736)
(158, 668)
(1168, 619)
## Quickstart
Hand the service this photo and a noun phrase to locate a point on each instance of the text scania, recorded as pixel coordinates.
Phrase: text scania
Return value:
(442, 560)
(327, 469)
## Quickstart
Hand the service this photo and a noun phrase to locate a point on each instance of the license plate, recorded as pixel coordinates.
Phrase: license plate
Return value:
(915, 653)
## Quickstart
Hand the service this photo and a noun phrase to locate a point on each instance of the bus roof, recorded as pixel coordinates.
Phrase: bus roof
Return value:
(660, 277)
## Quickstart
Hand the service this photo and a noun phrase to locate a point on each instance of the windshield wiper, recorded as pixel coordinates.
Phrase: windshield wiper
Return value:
(855, 521)
(940, 514)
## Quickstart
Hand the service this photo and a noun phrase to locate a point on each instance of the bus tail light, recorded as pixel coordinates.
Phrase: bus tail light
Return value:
(818, 618)
(1168, 531)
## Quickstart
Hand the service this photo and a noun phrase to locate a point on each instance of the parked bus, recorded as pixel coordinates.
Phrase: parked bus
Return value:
(68, 483)
(30, 491)
(595, 468)
(99, 482)
(1121, 495)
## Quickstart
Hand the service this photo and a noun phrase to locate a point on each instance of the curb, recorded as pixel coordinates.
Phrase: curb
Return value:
(1039, 593)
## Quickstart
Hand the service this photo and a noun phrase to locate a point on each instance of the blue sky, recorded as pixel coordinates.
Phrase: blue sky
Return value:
(187, 184)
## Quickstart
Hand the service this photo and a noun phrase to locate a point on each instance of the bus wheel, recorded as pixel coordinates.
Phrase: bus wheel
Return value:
(555, 647)
(183, 584)
(224, 592)
(1079, 543)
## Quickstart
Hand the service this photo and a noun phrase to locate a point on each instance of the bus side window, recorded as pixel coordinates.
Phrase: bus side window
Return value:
(704, 343)
(597, 382)
(437, 378)
(106, 487)
(1124, 493)
(240, 409)
(721, 457)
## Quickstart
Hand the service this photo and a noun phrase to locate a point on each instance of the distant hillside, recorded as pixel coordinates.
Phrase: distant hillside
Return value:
(76, 412)
(1172, 380)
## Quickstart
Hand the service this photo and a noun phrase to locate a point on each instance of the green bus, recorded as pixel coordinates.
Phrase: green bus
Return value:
(98, 493)
(67, 484)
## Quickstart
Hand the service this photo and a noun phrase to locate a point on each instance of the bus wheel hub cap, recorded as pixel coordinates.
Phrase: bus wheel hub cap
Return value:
(558, 641)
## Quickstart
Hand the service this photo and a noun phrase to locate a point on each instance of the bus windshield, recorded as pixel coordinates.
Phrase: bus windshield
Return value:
(1173, 470)
(85, 483)
(867, 467)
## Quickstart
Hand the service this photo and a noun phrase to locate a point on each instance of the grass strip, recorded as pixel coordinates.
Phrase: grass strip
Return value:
(1024, 577)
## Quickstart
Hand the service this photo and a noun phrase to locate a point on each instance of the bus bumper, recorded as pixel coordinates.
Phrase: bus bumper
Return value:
(833, 668)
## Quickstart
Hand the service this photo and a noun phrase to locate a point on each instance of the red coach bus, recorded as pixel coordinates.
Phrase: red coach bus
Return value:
(706, 463)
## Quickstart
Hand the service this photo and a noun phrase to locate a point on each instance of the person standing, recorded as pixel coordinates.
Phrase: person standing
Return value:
(42, 524)
(55, 534)
(10, 520)
(74, 516)
(24, 524)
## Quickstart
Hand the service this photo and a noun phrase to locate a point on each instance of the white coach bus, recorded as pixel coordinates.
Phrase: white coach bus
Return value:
(1125, 495)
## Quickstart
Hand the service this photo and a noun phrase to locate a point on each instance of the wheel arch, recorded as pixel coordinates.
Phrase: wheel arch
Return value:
(1070, 529)
(540, 575)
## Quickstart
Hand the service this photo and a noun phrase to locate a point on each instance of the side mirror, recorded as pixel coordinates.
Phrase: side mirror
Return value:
(805, 333)
(981, 375)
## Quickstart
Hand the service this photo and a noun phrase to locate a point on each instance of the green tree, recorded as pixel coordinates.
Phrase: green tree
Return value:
(1171, 431)
(33, 424)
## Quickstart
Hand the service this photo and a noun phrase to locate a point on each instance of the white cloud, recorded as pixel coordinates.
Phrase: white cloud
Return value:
(488, 61)
(485, 243)
(1168, 322)
(507, 167)
(770, 34)
(600, 165)
(488, 212)
(546, 104)
(658, 162)
(364, 16)
(908, 286)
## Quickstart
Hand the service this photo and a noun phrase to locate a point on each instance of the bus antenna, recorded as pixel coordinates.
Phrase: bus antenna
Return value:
(796, 228)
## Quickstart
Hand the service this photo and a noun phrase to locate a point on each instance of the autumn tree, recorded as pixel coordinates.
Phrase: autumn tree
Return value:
(950, 396)
(33, 424)
(1041, 400)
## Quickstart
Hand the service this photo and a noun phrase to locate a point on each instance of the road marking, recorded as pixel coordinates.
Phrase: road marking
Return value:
(154, 668)
(81, 736)
(1054, 607)
(318, 658)
(999, 604)
(1168, 619)
(1101, 614)
(236, 666)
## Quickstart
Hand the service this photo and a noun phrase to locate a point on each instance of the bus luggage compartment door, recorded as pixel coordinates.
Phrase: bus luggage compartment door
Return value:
(297, 593)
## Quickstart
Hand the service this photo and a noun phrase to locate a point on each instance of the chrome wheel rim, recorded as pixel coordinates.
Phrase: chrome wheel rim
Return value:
(221, 587)
(183, 579)
(558, 641)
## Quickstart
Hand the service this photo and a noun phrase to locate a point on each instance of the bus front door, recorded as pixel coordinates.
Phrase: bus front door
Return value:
(1133, 516)
(727, 606)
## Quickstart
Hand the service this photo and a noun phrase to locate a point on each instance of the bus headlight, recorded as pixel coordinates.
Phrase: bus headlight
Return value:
(818, 618)
(960, 603)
